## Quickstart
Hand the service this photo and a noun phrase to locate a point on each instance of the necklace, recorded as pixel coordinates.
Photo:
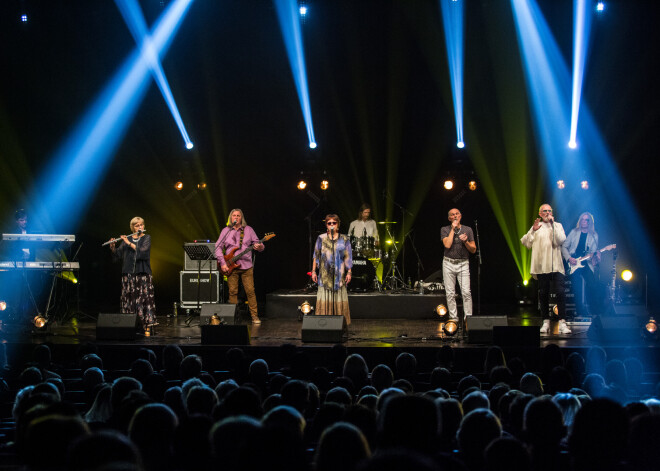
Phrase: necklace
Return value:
(457, 230)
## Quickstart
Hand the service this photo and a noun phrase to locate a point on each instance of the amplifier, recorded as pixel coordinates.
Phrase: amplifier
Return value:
(209, 288)
(193, 264)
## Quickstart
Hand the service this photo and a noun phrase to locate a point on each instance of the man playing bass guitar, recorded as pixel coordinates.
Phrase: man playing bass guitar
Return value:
(238, 235)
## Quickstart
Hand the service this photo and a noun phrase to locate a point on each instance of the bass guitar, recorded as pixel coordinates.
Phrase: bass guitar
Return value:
(231, 259)
(579, 264)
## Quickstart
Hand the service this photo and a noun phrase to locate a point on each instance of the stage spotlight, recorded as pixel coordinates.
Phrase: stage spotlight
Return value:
(312, 145)
(627, 275)
(39, 321)
(555, 310)
(201, 186)
(3, 305)
(449, 184)
(651, 329)
(325, 184)
(584, 184)
(215, 320)
(302, 184)
(600, 7)
(302, 10)
(460, 144)
(525, 282)
(441, 311)
(472, 185)
(178, 186)
(450, 328)
(306, 308)
(24, 18)
(189, 145)
(561, 184)
(572, 144)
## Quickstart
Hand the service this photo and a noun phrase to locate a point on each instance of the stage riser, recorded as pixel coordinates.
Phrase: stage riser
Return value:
(363, 306)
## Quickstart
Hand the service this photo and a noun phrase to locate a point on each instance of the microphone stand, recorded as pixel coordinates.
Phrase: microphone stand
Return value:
(479, 263)
(420, 267)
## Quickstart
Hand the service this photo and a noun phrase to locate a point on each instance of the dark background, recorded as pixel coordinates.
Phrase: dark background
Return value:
(383, 118)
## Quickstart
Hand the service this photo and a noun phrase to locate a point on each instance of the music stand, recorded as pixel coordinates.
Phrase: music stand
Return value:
(201, 253)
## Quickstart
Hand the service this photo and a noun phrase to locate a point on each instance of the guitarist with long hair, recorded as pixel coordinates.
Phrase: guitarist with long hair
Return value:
(235, 238)
(580, 250)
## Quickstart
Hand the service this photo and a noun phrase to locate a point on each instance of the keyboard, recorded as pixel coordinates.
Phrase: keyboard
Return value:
(20, 265)
(70, 238)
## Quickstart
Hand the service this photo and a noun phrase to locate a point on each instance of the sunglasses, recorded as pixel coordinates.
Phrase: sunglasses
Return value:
(331, 223)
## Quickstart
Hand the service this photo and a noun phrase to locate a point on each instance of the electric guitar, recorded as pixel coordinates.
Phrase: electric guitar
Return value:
(231, 259)
(579, 264)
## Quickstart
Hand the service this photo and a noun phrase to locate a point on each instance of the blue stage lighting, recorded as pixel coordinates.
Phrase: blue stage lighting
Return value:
(572, 144)
(130, 10)
(600, 6)
(287, 13)
(303, 10)
(452, 20)
(24, 18)
(189, 145)
(582, 26)
(460, 144)
(73, 173)
(312, 145)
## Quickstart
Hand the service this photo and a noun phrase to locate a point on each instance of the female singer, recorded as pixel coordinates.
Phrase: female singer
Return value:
(334, 258)
(137, 285)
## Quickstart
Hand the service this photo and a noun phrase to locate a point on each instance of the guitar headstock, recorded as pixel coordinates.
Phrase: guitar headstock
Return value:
(610, 247)
(268, 236)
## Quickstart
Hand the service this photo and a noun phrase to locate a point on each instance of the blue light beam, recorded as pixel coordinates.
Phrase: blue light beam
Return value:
(582, 18)
(130, 10)
(453, 13)
(78, 164)
(289, 17)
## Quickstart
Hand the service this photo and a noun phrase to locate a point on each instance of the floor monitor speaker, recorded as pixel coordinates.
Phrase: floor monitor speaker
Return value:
(480, 328)
(116, 327)
(326, 329)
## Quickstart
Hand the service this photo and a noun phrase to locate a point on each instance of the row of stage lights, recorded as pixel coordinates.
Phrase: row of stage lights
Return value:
(561, 184)
(201, 186)
(450, 184)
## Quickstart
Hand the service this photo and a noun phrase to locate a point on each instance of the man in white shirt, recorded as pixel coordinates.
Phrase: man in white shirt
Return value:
(545, 238)
(364, 226)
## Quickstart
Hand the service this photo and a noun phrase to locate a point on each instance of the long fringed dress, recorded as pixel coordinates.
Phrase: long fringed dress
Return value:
(334, 258)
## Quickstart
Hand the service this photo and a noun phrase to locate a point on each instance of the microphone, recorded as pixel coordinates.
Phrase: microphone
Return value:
(332, 231)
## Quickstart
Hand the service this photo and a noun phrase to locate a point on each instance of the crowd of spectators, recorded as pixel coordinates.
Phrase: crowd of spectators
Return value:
(165, 412)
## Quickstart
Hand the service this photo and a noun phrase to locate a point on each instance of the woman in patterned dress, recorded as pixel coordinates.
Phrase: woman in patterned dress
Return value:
(137, 284)
(334, 258)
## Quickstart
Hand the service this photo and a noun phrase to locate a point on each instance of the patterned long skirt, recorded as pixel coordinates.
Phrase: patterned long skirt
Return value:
(333, 303)
(137, 296)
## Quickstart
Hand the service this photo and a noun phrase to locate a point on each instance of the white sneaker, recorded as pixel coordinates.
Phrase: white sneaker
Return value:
(563, 327)
(545, 328)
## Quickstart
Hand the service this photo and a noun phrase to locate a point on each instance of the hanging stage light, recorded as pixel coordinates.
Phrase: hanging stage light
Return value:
(302, 184)
(472, 185)
(39, 321)
(3, 305)
(627, 275)
(449, 184)
(325, 184)
(651, 329)
(178, 186)
(584, 184)
(561, 184)
(201, 186)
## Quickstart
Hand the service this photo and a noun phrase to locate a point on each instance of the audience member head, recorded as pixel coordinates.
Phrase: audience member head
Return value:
(543, 424)
(593, 385)
(191, 367)
(575, 365)
(48, 438)
(101, 409)
(90, 360)
(569, 405)
(342, 447)
(241, 401)
(258, 373)
(101, 449)
(295, 393)
(201, 400)
(478, 429)
(172, 358)
(475, 400)
(406, 365)
(152, 430)
(507, 454)
(596, 361)
(495, 394)
(191, 443)
(615, 373)
(381, 377)
(643, 449)
(409, 422)
(340, 396)
(235, 443)
(440, 378)
(501, 374)
(467, 382)
(120, 389)
(494, 357)
(451, 415)
(140, 369)
(355, 368)
(531, 384)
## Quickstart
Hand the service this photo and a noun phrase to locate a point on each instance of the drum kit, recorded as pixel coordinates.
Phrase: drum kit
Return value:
(374, 266)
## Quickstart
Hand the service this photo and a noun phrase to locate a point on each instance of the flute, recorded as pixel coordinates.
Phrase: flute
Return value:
(119, 238)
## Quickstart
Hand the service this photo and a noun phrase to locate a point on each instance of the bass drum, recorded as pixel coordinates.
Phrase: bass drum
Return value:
(364, 273)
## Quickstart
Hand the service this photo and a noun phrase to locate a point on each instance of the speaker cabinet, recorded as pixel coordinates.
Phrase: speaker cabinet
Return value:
(225, 335)
(618, 329)
(516, 336)
(116, 327)
(209, 287)
(326, 329)
(480, 328)
(226, 312)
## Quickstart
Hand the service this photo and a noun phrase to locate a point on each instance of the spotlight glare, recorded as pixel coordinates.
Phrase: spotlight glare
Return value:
(460, 144)
(525, 282)
(572, 144)
(312, 145)
(584, 184)
(306, 307)
(627, 275)
(325, 184)
(441, 310)
(3, 305)
(215, 320)
(449, 184)
(189, 145)
(178, 186)
(201, 186)
(24, 18)
(561, 184)
(302, 184)
(303, 10)
(39, 321)
(450, 328)
(600, 7)
(472, 185)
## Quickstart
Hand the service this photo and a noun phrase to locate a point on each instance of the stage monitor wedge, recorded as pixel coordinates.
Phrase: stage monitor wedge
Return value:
(226, 312)
(480, 328)
(323, 329)
(116, 326)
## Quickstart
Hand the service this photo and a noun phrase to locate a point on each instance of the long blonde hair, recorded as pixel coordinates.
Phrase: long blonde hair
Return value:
(243, 223)
(591, 229)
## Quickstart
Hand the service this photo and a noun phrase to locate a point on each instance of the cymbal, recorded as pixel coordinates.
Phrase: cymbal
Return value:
(387, 222)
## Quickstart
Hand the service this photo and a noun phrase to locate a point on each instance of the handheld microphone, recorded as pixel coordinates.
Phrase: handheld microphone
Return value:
(332, 231)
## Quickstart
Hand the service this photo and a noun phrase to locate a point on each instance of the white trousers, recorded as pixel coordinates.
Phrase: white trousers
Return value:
(450, 273)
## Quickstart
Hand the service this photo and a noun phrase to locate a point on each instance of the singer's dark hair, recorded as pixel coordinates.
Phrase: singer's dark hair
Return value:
(334, 217)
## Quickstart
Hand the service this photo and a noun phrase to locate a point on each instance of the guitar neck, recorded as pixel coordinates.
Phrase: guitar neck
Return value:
(249, 249)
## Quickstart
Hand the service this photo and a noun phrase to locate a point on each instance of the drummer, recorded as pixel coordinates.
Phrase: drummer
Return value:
(364, 226)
